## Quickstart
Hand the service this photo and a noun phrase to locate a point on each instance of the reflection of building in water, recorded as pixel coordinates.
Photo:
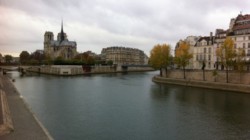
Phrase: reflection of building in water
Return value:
(61, 47)
(123, 55)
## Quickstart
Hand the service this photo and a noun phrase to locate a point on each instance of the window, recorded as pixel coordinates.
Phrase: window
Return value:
(248, 45)
(209, 57)
(205, 50)
(248, 53)
(244, 38)
(244, 45)
(209, 50)
(248, 37)
(235, 45)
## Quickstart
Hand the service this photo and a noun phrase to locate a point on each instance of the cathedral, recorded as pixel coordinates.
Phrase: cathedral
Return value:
(61, 47)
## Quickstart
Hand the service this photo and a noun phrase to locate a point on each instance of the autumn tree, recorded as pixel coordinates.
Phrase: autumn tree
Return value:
(182, 56)
(24, 57)
(240, 61)
(226, 53)
(85, 58)
(160, 57)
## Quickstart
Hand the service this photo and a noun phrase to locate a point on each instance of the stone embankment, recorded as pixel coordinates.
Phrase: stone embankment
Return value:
(238, 82)
(6, 125)
(13, 108)
(81, 70)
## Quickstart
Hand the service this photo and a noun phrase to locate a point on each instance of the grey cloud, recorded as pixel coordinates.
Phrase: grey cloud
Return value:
(134, 23)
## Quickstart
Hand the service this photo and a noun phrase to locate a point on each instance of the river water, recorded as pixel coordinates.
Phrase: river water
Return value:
(132, 107)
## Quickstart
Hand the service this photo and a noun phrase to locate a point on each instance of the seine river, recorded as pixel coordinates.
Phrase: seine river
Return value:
(132, 107)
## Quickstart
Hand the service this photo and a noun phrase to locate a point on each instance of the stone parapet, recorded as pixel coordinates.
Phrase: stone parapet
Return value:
(204, 84)
(79, 70)
(234, 77)
(6, 125)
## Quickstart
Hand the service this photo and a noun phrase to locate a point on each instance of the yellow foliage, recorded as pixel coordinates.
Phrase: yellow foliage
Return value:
(226, 51)
(182, 55)
(160, 56)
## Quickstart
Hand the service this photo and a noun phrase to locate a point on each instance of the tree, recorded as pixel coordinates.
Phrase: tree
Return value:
(240, 61)
(24, 57)
(8, 58)
(160, 57)
(48, 60)
(182, 56)
(109, 62)
(1, 57)
(37, 56)
(226, 53)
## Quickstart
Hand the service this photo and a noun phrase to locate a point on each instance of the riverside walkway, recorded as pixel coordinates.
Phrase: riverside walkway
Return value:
(26, 125)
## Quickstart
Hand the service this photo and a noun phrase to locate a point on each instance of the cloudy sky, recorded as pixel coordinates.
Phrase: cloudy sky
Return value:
(96, 24)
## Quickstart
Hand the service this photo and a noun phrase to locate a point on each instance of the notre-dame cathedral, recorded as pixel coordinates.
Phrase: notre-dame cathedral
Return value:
(61, 47)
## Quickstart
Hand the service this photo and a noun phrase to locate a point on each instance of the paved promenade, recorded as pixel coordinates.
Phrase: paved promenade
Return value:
(26, 126)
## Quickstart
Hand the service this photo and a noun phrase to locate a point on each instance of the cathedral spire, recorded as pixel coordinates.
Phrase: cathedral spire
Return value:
(62, 33)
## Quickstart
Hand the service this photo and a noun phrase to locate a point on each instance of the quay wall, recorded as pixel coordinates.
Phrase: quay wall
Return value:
(204, 84)
(79, 70)
(234, 77)
(237, 81)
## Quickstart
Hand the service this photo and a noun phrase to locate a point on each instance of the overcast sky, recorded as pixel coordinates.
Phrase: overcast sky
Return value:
(96, 24)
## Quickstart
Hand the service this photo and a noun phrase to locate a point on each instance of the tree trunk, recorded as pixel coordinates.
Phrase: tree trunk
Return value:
(160, 72)
(227, 73)
(240, 77)
(166, 71)
(203, 75)
(184, 73)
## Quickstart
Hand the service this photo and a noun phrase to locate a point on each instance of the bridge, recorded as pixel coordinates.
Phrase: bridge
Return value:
(5, 69)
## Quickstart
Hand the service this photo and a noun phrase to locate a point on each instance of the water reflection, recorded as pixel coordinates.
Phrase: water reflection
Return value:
(219, 112)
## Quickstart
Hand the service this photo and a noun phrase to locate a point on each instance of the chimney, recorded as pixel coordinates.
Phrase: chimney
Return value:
(211, 36)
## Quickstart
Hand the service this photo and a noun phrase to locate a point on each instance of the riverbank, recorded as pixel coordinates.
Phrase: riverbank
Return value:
(25, 124)
(83, 70)
(203, 84)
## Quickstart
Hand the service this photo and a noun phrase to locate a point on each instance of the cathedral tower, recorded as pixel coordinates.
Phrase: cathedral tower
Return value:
(61, 35)
(48, 37)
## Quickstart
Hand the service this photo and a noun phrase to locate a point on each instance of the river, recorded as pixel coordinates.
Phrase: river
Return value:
(132, 107)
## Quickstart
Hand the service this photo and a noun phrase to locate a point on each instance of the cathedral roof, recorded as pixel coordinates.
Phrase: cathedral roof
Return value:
(63, 43)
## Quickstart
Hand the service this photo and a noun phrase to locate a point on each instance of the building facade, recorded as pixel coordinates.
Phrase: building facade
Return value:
(191, 40)
(124, 56)
(204, 52)
(61, 47)
(239, 31)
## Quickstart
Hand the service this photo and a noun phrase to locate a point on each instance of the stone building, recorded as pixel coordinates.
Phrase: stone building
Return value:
(124, 56)
(204, 49)
(191, 40)
(204, 52)
(239, 31)
(61, 47)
